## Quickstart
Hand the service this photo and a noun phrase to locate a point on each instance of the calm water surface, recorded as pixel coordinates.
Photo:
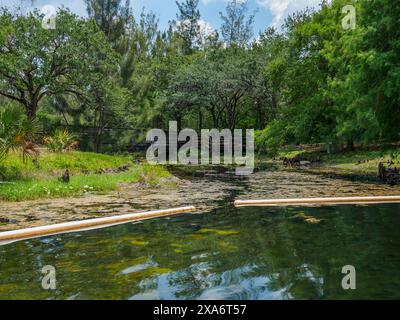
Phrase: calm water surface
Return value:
(249, 253)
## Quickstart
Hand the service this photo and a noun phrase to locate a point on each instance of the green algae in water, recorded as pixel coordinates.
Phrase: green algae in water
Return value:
(139, 242)
(308, 219)
(220, 232)
(247, 253)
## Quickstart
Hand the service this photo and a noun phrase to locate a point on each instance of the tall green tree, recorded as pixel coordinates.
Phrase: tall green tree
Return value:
(375, 74)
(65, 60)
(188, 24)
(237, 25)
(309, 109)
(112, 16)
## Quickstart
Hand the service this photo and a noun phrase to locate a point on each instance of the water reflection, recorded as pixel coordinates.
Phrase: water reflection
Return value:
(248, 253)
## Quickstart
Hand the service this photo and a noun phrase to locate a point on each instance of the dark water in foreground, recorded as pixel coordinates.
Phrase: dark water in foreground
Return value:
(249, 253)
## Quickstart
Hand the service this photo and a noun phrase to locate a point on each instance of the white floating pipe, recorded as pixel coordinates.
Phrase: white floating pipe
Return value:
(317, 201)
(83, 225)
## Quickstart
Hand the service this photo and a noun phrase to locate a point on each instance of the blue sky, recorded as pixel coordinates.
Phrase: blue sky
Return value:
(269, 12)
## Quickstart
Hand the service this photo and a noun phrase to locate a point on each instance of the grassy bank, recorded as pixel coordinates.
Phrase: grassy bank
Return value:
(361, 160)
(90, 173)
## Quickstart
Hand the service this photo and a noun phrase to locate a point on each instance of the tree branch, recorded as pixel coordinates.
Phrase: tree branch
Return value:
(10, 96)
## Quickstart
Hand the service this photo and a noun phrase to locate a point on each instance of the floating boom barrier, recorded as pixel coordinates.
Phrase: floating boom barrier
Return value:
(85, 225)
(317, 201)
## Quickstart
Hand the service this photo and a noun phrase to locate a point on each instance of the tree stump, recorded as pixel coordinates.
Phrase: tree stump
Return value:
(65, 177)
(388, 175)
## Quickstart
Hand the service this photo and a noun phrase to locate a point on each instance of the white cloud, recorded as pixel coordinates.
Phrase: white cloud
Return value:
(206, 2)
(282, 8)
(205, 28)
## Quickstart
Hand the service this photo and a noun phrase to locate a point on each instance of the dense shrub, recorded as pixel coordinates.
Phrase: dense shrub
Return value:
(61, 141)
(269, 140)
(17, 132)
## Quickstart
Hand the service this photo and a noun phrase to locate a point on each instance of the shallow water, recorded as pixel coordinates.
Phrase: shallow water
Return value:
(247, 253)
(205, 188)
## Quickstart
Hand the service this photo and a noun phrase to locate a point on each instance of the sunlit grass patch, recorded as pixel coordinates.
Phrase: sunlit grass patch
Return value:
(51, 187)
(364, 160)
(50, 162)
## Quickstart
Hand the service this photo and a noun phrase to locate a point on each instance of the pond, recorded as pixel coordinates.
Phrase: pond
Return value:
(246, 253)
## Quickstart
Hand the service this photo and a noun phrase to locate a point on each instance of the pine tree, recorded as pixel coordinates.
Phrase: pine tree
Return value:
(236, 27)
(188, 24)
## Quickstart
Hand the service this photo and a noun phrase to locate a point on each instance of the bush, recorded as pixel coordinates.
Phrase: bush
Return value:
(17, 133)
(269, 140)
(61, 141)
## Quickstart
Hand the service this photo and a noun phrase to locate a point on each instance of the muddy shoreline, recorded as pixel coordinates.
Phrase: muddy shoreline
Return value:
(204, 188)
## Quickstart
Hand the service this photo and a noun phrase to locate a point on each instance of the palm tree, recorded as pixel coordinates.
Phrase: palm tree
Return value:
(17, 133)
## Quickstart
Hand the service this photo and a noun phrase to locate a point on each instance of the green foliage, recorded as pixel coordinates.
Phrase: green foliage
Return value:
(39, 179)
(188, 25)
(61, 141)
(313, 82)
(269, 140)
(66, 60)
(50, 187)
(375, 73)
(77, 162)
(112, 16)
(237, 28)
(17, 133)
(337, 85)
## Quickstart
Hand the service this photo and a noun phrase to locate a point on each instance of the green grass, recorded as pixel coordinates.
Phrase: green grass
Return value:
(29, 181)
(369, 158)
(53, 163)
(373, 156)
(289, 154)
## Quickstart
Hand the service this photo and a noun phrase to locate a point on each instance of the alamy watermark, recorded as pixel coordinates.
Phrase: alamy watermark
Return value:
(49, 19)
(49, 278)
(209, 150)
(349, 280)
(349, 21)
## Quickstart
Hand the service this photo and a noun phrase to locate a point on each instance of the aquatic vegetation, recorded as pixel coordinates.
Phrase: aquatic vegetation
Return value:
(176, 245)
(4, 288)
(275, 260)
(119, 266)
(309, 219)
(196, 236)
(139, 242)
(226, 246)
(180, 248)
(219, 232)
(149, 272)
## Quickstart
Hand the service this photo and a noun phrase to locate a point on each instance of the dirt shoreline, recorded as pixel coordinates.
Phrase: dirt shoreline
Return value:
(207, 190)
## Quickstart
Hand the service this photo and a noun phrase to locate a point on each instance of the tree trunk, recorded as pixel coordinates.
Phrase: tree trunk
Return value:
(350, 145)
(200, 121)
(214, 117)
(31, 109)
(179, 122)
(99, 132)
